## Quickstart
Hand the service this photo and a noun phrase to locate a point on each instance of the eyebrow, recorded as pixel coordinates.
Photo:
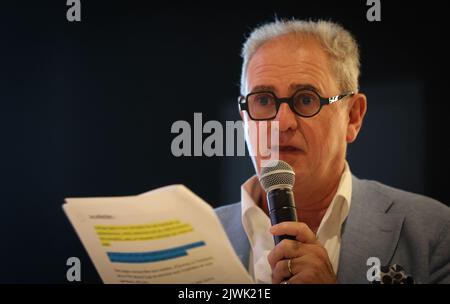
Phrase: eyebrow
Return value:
(292, 87)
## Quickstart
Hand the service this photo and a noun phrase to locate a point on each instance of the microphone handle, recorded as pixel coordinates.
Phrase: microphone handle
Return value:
(281, 209)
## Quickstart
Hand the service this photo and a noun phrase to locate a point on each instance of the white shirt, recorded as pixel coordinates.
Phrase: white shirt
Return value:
(257, 224)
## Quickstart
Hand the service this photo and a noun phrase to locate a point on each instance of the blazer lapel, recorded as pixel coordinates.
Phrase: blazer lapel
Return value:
(369, 231)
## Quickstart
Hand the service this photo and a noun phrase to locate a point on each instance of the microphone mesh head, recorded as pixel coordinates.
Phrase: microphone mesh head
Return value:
(278, 174)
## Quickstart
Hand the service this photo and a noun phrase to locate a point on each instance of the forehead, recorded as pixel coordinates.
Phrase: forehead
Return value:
(289, 60)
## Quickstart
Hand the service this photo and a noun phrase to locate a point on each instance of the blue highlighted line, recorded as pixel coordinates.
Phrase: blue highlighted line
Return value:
(152, 256)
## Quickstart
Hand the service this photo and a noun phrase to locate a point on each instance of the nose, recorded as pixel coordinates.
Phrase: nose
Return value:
(287, 120)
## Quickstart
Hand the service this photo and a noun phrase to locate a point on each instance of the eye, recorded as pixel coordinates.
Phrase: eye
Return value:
(306, 99)
(263, 100)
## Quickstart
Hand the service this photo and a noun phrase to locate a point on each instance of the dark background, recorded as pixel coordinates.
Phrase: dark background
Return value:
(87, 107)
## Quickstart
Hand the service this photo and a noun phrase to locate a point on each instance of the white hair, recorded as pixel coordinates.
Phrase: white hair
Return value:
(337, 42)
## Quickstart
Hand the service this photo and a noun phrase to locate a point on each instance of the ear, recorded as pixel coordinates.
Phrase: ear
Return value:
(241, 113)
(356, 112)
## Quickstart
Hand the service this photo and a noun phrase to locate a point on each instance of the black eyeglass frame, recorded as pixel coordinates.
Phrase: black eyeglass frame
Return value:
(243, 102)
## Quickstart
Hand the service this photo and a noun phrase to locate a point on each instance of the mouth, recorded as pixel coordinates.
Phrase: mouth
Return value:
(288, 149)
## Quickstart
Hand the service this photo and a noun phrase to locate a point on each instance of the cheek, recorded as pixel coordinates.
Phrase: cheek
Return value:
(322, 138)
(314, 135)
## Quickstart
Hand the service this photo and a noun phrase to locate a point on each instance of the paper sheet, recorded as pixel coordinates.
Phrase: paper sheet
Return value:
(168, 235)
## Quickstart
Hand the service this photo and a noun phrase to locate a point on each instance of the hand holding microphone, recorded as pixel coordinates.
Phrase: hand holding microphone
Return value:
(298, 257)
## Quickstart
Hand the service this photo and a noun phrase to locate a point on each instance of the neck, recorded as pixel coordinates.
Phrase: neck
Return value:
(311, 201)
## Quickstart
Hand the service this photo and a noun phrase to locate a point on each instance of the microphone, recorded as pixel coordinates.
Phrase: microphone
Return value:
(277, 179)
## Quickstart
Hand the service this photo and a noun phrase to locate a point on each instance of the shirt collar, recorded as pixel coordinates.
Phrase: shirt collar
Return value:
(340, 205)
(251, 195)
(345, 185)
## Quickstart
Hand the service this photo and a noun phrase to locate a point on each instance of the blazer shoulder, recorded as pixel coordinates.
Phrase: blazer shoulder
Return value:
(415, 206)
(408, 199)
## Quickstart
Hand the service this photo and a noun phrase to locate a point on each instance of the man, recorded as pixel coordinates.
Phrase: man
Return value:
(304, 76)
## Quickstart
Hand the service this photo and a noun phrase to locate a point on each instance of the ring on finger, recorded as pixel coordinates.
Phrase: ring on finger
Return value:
(289, 266)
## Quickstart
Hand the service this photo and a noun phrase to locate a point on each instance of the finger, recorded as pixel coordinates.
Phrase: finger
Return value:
(281, 272)
(299, 230)
(287, 249)
(309, 270)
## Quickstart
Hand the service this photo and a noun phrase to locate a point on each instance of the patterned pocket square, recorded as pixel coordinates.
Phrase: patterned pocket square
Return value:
(394, 274)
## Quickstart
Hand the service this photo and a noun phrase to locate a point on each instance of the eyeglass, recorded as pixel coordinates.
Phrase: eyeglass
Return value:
(264, 105)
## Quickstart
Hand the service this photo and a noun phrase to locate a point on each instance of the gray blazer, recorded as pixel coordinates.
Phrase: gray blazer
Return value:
(396, 226)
